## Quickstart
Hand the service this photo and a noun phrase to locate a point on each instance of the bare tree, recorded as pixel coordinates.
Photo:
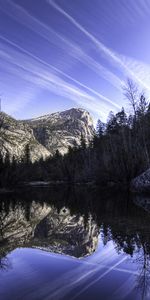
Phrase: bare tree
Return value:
(132, 94)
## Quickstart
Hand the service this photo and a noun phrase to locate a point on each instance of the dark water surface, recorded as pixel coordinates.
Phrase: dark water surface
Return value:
(74, 244)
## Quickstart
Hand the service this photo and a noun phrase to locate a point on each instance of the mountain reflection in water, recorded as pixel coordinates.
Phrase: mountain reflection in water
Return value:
(110, 233)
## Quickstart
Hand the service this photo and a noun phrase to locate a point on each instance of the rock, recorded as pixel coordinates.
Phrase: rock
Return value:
(142, 201)
(43, 226)
(46, 134)
(60, 130)
(15, 136)
(65, 233)
(142, 182)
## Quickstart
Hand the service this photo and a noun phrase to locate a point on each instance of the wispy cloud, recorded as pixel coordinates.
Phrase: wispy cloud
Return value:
(55, 70)
(75, 51)
(113, 57)
(140, 68)
(39, 73)
(20, 101)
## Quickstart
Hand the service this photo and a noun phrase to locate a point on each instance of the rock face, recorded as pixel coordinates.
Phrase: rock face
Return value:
(15, 136)
(60, 130)
(142, 182)
(65, 233)
(142, 201)
(45, 134)
(43, 226)
(17, 226)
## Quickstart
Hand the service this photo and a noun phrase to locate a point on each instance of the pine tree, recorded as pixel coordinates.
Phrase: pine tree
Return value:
(27, 158)
(82, 142)
(100, 128)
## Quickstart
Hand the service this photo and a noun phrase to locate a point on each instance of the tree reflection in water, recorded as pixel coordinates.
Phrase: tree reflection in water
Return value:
(69, 221)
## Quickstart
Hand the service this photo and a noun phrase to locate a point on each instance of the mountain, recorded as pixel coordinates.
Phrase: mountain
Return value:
(60, 130)
(42, 226)
(66, 233)
(44, 135)
(15, 136)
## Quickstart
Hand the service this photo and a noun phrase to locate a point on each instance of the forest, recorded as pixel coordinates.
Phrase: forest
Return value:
(119, 151)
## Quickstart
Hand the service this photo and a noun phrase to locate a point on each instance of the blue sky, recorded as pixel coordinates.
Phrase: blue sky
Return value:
(58, 54)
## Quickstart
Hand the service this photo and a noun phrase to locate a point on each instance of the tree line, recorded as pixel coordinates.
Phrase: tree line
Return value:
(119, 151)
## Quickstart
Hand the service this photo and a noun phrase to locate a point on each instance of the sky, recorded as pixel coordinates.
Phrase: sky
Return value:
(59, 54)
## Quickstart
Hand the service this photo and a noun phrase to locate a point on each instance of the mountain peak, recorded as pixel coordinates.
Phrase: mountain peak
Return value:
(72, 112)
(58, 131)
(45, 134)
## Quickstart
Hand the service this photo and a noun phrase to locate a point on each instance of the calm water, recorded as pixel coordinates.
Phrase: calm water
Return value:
(74, 244)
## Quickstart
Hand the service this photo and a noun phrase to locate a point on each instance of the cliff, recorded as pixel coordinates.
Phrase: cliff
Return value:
(44, 135)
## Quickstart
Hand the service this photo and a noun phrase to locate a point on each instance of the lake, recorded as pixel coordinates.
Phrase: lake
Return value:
(74, 243)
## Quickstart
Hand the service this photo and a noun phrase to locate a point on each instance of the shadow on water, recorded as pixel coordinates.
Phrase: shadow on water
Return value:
(72, 221)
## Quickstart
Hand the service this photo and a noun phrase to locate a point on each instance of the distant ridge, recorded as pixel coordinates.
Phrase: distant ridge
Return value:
(44, 134)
